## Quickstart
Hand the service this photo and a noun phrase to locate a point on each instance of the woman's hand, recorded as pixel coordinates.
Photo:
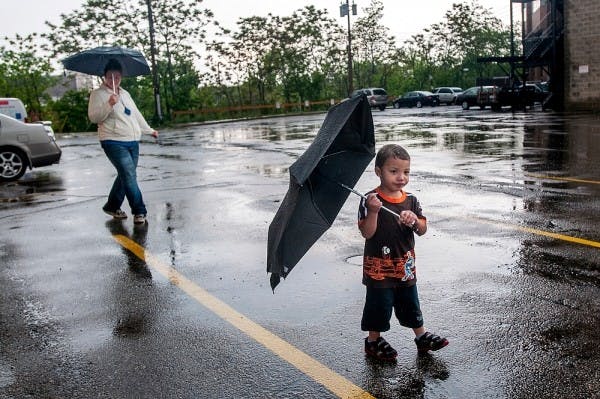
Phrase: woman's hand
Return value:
(113, 99)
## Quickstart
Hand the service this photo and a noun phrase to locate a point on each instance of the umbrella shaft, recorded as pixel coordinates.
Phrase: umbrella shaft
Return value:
(365, 197)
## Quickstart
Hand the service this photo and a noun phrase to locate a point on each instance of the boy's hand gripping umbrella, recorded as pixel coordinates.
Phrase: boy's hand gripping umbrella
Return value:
(342, 149)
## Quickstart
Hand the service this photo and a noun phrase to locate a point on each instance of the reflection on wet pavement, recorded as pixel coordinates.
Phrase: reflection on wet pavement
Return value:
(136, 265)
(521, 309)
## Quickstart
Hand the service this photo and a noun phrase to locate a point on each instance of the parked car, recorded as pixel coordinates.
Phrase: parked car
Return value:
(378, 97)
(416, 99)
(25, 145)
(480, 96)
(535, 92)
(13, 107)
(447, 95)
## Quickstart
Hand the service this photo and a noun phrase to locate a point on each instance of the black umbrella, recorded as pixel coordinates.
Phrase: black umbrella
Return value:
(93, 61)
(338, 156)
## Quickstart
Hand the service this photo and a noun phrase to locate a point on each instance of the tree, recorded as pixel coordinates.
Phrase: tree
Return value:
(25, 74)
(180, 26)
(373, 47)
(468, 32)
(293, 57)
(446, 53)
(69, 113)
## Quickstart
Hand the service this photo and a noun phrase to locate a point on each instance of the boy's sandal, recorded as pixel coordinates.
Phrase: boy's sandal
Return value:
(429, 341)
(380, 349)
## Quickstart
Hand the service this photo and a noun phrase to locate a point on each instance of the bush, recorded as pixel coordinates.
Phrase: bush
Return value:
(69, 113)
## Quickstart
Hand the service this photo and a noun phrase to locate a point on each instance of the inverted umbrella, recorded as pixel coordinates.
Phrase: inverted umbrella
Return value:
(93, 61)
(338, 156)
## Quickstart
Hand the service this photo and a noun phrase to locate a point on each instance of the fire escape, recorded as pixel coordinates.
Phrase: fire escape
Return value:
(542, 35)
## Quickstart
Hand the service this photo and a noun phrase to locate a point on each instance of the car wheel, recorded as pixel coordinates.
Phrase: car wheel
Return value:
(419, 104)
(465, 105)
(13, 164)
(382, 107)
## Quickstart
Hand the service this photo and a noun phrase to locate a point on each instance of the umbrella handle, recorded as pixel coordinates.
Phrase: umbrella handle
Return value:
(112, 75)
(365, 197)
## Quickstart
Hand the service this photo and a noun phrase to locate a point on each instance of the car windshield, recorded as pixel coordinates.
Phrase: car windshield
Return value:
(456, 89)
(379, 92)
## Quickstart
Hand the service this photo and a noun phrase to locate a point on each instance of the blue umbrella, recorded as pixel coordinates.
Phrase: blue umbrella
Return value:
(93, 61)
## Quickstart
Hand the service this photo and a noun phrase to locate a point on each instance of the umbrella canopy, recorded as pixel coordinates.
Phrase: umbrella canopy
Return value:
(339, 154)
(94, 60)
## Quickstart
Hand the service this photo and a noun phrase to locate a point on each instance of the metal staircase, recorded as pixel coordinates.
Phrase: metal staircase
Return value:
(542, 47)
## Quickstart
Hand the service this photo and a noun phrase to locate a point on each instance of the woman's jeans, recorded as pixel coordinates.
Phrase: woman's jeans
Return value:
(124, 157)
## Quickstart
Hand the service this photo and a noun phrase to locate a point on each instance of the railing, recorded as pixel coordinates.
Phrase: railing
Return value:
(302, 107)
(540, 40)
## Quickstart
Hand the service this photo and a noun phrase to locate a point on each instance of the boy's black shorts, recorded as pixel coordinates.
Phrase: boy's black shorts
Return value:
(380, 302)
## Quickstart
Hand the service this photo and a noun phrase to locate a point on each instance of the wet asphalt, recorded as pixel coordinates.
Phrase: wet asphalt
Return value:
(509, 270)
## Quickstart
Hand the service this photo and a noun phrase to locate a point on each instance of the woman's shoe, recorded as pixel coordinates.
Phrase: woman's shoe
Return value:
(118, 214)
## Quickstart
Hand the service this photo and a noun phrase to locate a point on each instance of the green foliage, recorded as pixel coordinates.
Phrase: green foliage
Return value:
(178, 26)
(276, 58)
(285, 59)
(69, 113)
(373, 48)
(25, 75)
(446, 53)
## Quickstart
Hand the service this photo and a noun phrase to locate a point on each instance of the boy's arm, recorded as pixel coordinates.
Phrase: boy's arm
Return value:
(414, 219)
(368, 224)
(420, 227)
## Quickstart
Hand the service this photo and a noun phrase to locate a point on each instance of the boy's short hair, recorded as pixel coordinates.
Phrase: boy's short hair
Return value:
(390, 151)
(113, 65)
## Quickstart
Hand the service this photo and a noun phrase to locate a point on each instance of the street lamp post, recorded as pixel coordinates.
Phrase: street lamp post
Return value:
(157, 110)
(345, 11)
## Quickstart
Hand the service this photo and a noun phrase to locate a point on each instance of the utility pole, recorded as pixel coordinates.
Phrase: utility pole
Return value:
(345, 11)
(157, 111)
(512, 47)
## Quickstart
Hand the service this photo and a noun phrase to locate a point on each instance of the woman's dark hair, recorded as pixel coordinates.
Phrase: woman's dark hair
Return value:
(390, 151)
(113, 65)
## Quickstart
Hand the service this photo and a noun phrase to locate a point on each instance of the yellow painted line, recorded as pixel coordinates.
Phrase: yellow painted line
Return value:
(337, 384)
(549, 234)
(562, 178)
(563, 237)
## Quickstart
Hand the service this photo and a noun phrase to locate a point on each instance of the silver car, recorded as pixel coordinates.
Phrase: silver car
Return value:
(447, 95)
(377, 97)
(25, 145)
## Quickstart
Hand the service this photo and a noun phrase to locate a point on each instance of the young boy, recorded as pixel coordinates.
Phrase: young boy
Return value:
(389, 257)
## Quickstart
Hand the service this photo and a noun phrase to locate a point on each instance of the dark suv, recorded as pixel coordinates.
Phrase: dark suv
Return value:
(378, 97)
(480, 96)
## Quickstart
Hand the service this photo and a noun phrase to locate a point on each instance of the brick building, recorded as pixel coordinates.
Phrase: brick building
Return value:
(561, 43)
(582, 54)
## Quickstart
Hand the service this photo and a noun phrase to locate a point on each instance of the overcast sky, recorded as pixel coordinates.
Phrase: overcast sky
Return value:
(403, 17)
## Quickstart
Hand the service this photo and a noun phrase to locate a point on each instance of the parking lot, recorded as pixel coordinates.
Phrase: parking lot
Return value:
(181, 307)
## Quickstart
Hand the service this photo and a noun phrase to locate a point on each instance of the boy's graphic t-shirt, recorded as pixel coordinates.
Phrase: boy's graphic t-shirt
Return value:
(389, 256)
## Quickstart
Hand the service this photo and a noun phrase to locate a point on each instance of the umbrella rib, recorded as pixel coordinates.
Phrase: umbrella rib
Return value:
(316, 207)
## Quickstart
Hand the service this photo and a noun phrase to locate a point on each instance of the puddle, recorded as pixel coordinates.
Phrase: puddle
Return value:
(355, 260)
